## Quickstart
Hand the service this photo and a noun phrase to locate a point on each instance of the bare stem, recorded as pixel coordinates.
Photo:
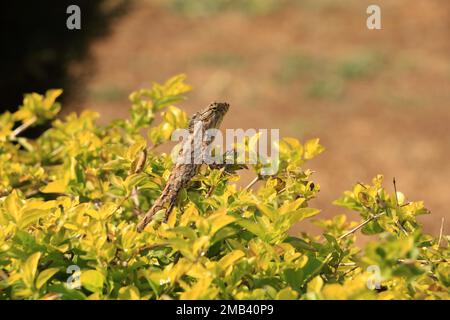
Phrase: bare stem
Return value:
(135, 197)
(404, 261)
(395, 190)
(359, 226)
(22, 127)
(121, 203)
(153, 147)
(399, 225)
(441, 232)
(251, 184)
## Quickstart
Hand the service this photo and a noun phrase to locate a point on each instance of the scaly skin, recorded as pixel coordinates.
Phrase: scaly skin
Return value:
(210, 118)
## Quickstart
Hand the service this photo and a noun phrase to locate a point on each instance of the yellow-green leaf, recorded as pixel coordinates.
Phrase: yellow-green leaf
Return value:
(92, 280)
(29, 269)
(44, 276)
(287, 294)
(312, 148)
(129, 293)
(231, 258)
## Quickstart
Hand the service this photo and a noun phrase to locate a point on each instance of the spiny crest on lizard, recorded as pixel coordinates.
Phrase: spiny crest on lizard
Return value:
(211, 116)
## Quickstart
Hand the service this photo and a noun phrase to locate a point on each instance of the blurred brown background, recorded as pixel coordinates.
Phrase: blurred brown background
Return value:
(378, 99)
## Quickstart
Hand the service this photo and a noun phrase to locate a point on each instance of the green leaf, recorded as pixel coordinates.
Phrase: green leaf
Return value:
(253, 227)
(294, 277)
(66, 294)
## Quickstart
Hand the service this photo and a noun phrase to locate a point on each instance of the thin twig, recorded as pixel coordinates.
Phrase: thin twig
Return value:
(422, 261)
(399, 225)
(362, 185)
(153, 147)
(359, 226)
(405, 204)
(347, 264)
(255, 180)
(404, 261)
(152, 246)
(281, 190)
(350, 270)
(121, 203)
(135, 197)
(22, 127)
(210, 191)
(395, 190)
(441, 232)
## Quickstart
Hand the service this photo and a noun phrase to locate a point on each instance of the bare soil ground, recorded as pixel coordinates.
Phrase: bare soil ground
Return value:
(379, 100)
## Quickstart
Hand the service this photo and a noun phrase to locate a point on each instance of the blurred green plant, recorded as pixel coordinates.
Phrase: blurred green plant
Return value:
(221, 59)
(70, 200)
(107, 93)
(202, 8)
(298, 66)
(361, 65)
(326, 88)
(327, 78)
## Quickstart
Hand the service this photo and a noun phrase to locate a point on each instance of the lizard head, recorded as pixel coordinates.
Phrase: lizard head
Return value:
(219, 108)
(211, 116)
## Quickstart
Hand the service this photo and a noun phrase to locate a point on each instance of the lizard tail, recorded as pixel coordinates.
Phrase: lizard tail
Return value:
(158, 205)
(148, 217)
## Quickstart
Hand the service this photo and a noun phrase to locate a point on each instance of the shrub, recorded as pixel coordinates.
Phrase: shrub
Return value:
(70, 201)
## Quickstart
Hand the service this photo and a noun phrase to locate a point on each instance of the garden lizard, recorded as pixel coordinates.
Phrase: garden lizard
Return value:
(209, 118)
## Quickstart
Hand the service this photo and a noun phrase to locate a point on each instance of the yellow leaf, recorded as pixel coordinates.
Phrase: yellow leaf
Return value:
(219, 220)
(287, 294)
(129, 293)
(133, 150)
(267, 211)
(13, 206)
(31, 216)
(190, 212)
(290, 206)
(231, 258)
(312, 149)
(200, 290)
(287, 145)
(172, 219)
(50, 98)
(301, 214)
(315, 285)
(58, 186)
